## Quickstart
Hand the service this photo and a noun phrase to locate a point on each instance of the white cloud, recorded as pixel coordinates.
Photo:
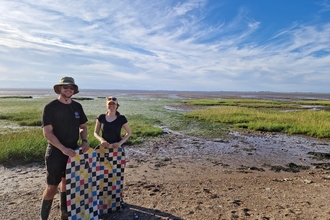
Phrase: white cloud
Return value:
(170, 45)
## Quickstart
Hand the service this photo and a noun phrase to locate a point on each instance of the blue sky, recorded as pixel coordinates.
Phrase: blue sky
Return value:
(193, 45)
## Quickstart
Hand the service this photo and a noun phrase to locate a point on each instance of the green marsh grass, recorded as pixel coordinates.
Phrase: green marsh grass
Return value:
(21, 137)
(30, 117)
(257, 117)
(256, 103)
(22, 146)
(16, 97)
(314, 102)
(249, 103)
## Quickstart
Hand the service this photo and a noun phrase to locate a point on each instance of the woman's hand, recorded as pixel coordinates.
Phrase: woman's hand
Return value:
(116, 145)
(104, 143)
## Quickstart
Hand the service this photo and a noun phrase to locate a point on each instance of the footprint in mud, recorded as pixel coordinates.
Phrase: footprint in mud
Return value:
(160, 164)
(237, 202)
(153, 189)
(246, 212)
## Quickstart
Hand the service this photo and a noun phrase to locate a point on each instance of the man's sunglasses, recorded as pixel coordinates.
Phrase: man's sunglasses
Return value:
(112, 99)
(68, 87)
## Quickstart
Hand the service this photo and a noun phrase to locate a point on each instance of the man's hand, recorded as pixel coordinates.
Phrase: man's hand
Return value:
(84, 146)
(69, 152)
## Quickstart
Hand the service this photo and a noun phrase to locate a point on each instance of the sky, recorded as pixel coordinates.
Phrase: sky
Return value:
(188, 45)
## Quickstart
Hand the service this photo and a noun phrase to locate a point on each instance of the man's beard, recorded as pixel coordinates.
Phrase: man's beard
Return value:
(65, 96)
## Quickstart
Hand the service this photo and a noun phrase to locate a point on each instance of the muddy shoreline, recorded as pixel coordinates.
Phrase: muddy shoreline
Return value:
(184, 177)
(237, 149)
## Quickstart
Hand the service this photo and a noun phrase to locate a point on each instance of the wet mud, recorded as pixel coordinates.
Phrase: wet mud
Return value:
(246, 175)
(240, 149)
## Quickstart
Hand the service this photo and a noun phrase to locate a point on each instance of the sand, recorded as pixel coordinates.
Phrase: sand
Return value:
(246, 175)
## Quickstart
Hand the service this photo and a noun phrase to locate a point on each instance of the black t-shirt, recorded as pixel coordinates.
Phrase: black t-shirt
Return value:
(111, 130)
(65, 119)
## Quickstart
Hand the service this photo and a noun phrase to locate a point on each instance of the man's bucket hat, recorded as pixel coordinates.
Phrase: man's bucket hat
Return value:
(65, 81)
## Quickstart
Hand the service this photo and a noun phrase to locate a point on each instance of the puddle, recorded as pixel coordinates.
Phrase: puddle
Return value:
(171, 108)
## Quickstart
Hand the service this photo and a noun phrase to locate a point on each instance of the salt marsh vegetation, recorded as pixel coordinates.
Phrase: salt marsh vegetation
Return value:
(267, 115)
(21, 134)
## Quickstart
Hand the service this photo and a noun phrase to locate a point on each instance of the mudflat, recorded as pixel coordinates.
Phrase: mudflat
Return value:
(246, 175)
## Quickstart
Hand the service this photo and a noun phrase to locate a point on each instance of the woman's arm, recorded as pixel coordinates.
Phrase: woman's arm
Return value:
(127, 135)
(97, 129)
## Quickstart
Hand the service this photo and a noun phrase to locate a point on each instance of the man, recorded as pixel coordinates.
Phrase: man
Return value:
(63, 120)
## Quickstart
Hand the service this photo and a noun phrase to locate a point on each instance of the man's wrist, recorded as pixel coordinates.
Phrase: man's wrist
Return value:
(84, 140)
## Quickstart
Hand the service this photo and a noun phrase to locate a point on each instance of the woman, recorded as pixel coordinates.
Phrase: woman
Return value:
(111, 155)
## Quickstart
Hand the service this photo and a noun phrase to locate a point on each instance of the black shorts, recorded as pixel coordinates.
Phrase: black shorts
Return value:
(55, 164)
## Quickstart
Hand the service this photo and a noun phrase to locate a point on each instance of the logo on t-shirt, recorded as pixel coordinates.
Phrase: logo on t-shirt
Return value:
(76, 114)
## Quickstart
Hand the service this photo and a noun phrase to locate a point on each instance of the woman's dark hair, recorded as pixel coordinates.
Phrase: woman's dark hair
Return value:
(117, 113)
